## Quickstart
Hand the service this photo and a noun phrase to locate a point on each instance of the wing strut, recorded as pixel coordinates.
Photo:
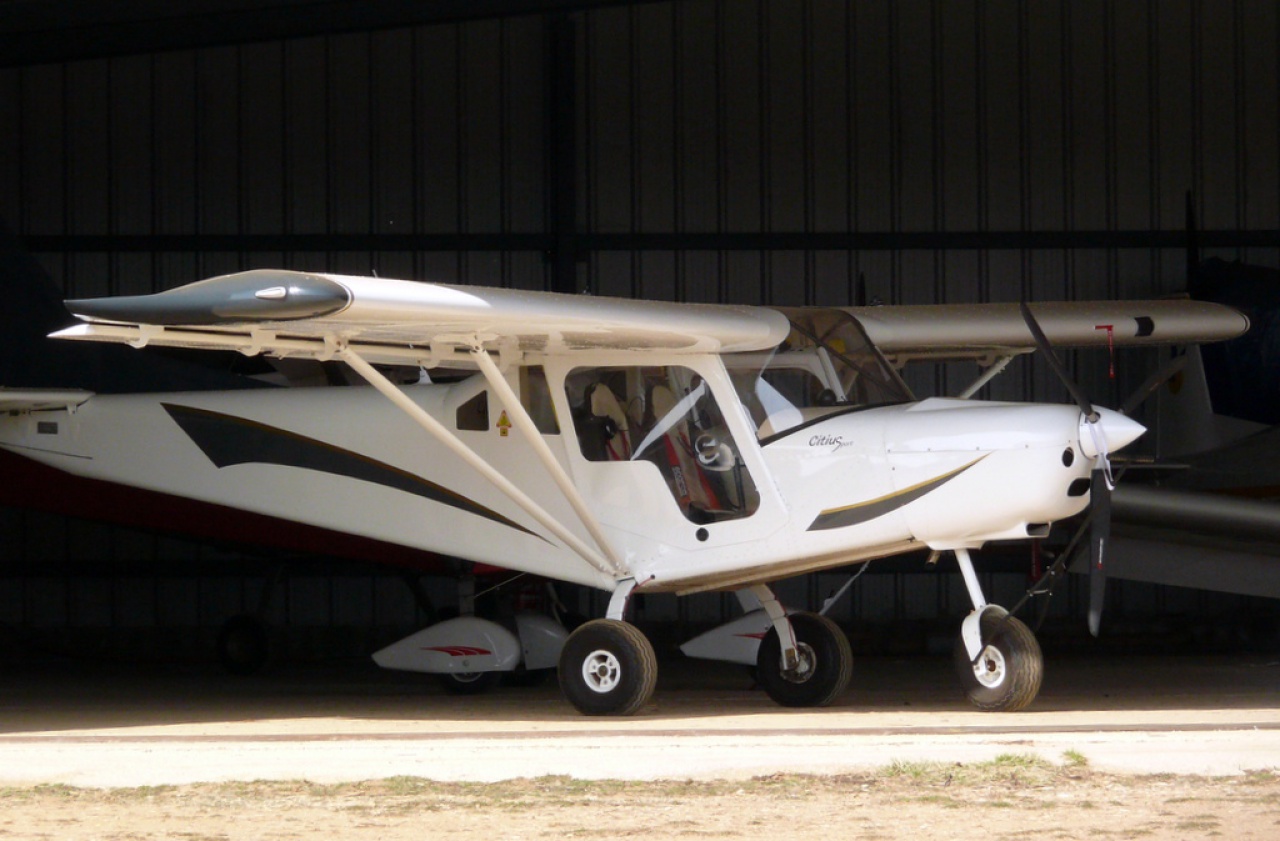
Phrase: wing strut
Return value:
(520, 417)
(988, 374)
(502, 483)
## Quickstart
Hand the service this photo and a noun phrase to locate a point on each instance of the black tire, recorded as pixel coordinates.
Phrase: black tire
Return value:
(1008, 674)
(469, 683)
(826, 663)
(608, 667)
(244, 646)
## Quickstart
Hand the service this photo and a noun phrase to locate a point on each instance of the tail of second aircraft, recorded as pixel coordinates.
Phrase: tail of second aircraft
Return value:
(1242, 373)
(31, 308)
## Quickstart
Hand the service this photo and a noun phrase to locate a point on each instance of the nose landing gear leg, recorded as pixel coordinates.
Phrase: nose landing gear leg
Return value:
(996, 657)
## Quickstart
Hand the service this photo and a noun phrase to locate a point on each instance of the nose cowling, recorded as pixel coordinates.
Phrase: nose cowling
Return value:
(1112, 431)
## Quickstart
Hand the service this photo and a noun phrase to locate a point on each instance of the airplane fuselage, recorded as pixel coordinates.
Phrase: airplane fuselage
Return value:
(847, 486)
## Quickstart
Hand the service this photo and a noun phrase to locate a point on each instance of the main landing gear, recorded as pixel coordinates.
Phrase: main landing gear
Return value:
(821, 669)
(607, 666)
(997, 657)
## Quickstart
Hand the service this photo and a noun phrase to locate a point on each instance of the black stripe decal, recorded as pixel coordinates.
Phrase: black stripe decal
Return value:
(228, 440)
(862, 512)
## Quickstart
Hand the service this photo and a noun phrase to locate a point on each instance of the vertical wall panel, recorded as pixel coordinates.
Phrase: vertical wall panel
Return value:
(1259, 83)
(218, 160)
(88, 148)
(1045, 131)
(524, 153)
(999, 111)
(653, 128)
(392, 120)
(874, 126)
(1218, 100)
(11, 199)
(1133, 81)
(174, 141)
(784, 106)
(437, 129)
(914, 38)
(131, 145)
(261, 138)
(481, 123)
(699, 129)
(956, 144)
(828, 115)
(305, 120)
(609, 143)
(1174, 102)
(741, 46)
(350, 153)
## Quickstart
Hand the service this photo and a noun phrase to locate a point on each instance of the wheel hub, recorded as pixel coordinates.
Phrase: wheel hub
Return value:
(601, 671)
(806, 661)
(991, 668)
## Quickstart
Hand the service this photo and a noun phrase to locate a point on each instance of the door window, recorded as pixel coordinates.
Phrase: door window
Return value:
(665, 415)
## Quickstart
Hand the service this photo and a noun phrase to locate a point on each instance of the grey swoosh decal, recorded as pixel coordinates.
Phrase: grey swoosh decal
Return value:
(228, 440)
(861, 512)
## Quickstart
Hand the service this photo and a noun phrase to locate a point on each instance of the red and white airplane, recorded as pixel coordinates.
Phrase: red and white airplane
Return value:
(630, 446)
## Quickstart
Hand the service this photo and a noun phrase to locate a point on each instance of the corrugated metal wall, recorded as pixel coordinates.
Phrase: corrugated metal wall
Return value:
(927, 118)
(713, 150)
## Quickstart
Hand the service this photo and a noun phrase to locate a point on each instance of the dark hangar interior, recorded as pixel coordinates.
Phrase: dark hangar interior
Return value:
(787, 152)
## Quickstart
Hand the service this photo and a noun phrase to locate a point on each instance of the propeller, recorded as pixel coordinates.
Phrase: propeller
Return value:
(1099, 534)
(1101, 483)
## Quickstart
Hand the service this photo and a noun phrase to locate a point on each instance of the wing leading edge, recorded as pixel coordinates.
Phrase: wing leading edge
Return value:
(289, 313)
(299, 314)
(973, 331)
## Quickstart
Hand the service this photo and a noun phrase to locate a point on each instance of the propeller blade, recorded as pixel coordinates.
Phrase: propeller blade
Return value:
(1046, 349)
(1099, 535)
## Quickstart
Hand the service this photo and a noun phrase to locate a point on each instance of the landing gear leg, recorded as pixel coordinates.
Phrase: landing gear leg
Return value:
(804, 659)
(607, 666)
(997, 657)
(244, 643)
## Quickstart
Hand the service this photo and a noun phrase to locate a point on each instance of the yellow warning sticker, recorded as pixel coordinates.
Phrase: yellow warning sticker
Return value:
(504, 424)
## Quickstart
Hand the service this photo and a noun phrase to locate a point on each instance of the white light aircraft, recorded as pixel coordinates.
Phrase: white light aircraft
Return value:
(629, 446)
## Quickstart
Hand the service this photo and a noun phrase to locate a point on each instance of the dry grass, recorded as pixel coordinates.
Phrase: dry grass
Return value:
(1015, 796)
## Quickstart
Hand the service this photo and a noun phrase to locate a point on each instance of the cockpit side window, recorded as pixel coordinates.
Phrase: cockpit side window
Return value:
(665, 415)
(535, 395)
(827, 364)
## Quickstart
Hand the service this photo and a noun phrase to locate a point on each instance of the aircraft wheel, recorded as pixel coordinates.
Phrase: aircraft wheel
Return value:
(469, 683)
(1007, 676)
(826, 663)
(608, 667)
(244, 645)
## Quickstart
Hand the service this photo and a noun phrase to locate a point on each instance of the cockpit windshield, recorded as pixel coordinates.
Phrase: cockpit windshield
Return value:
(826, 365)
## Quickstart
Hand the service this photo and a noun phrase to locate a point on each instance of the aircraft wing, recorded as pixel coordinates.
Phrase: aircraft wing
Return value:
(948, 332)
(1194, 539)
(289, 313)
(36, 399)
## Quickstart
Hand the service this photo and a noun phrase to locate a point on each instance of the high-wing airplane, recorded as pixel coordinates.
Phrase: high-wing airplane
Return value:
(630, 446)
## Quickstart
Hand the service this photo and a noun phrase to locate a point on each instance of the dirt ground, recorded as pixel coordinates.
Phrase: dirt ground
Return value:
(1011, 797)
(1150, 748)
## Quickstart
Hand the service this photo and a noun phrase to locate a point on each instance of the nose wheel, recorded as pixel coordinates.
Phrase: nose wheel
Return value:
(1007, 674)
